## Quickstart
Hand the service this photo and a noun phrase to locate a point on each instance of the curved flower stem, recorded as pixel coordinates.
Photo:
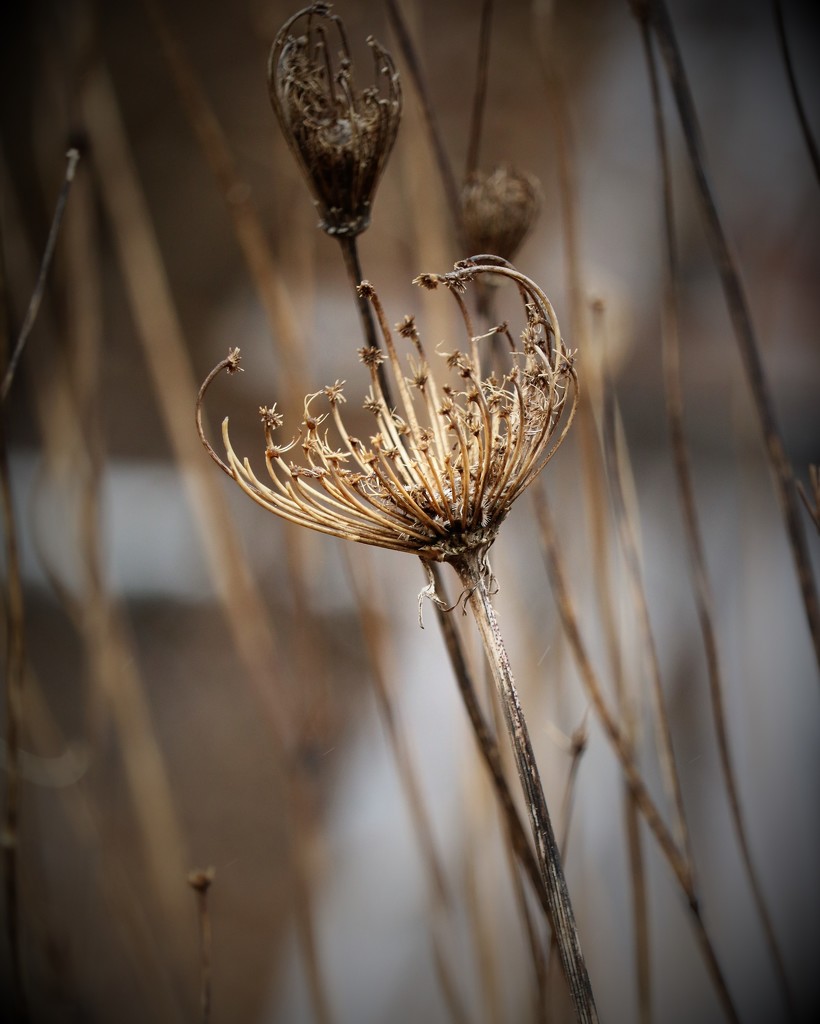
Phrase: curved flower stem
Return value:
(473, 573)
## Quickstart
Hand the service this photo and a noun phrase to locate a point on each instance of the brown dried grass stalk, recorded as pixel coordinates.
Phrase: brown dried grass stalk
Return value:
(701, 584)
(654, 16)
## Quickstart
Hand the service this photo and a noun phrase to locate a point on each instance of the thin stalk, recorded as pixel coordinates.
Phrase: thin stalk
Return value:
(536, 945)
(697, 556)
(797, 99)
(487, 745)
(627, 531)
(448, 179)
(477, 118)
(625, 753)
(200, 882)
(72, 158)
(479, 917)
(474, 576)
(15, 671)
(15, 660)
(440, 895)
(161, 336)
(576, 745)
(550, 61)
(15, 665)
(811, 497)
(350, 252)
(247, 224)
(654, 14)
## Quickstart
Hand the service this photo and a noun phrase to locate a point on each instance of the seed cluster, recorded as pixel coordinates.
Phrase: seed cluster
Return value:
(341, 136)
(439, 473)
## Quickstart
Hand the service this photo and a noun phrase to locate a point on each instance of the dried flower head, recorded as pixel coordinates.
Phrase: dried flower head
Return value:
(439, 476)
(498, 209)
(341, 137)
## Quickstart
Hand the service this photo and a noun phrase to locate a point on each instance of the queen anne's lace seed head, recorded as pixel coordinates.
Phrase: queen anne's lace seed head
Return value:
(499, 209)
(340, 135)
(441, 472)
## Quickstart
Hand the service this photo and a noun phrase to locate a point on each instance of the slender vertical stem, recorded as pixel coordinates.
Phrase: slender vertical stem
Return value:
(797, 99)
(72, 159)
(697, 556)
(448, 178)
(655, 15)
(487, 744)
(477, 117)
(474, 576)
(15, 668)
(200, 882)
(350, 251)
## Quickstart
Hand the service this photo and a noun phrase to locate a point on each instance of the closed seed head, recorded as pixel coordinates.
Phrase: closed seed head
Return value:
(340, 135)
(499, 209)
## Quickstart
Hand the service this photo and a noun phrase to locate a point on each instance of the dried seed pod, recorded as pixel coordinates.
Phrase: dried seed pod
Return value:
(341, 137)
(498, 209)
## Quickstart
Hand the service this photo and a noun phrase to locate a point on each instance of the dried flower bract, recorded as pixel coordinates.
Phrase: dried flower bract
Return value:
(498, 209)
(341, 136)
(439, 474)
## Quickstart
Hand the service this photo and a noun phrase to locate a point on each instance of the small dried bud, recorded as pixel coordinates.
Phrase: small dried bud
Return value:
(201, 879)
(498, 210)
(270, 417)
(371, 356)
(340, 137)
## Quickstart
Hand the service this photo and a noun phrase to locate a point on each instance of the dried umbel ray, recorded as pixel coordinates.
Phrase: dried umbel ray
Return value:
(341, 136)
(439, 474)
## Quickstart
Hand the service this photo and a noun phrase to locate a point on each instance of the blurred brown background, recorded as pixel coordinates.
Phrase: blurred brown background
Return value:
(154, 742)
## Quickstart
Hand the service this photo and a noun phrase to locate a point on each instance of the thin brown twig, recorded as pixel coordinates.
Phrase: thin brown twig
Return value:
(15, 663)
(247, 223)
(627, 532)
(67, 427)
(576, 745)
(811, 497)
(15, 607)
(481, 930)
(201, 881)
(487, 744)
(448, 178)
(625, 754)
(701, 584)
(472, 572)
(797, 99)
(350, 252)
(440, 894)
(480, 95)
(536, 945)
(654, 14)
(161, 335)
(550, 62)
(72, 159)
(15, 669)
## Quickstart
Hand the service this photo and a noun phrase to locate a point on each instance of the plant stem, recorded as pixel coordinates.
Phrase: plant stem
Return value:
(473, 573)
(350, 251)
(655, 15)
